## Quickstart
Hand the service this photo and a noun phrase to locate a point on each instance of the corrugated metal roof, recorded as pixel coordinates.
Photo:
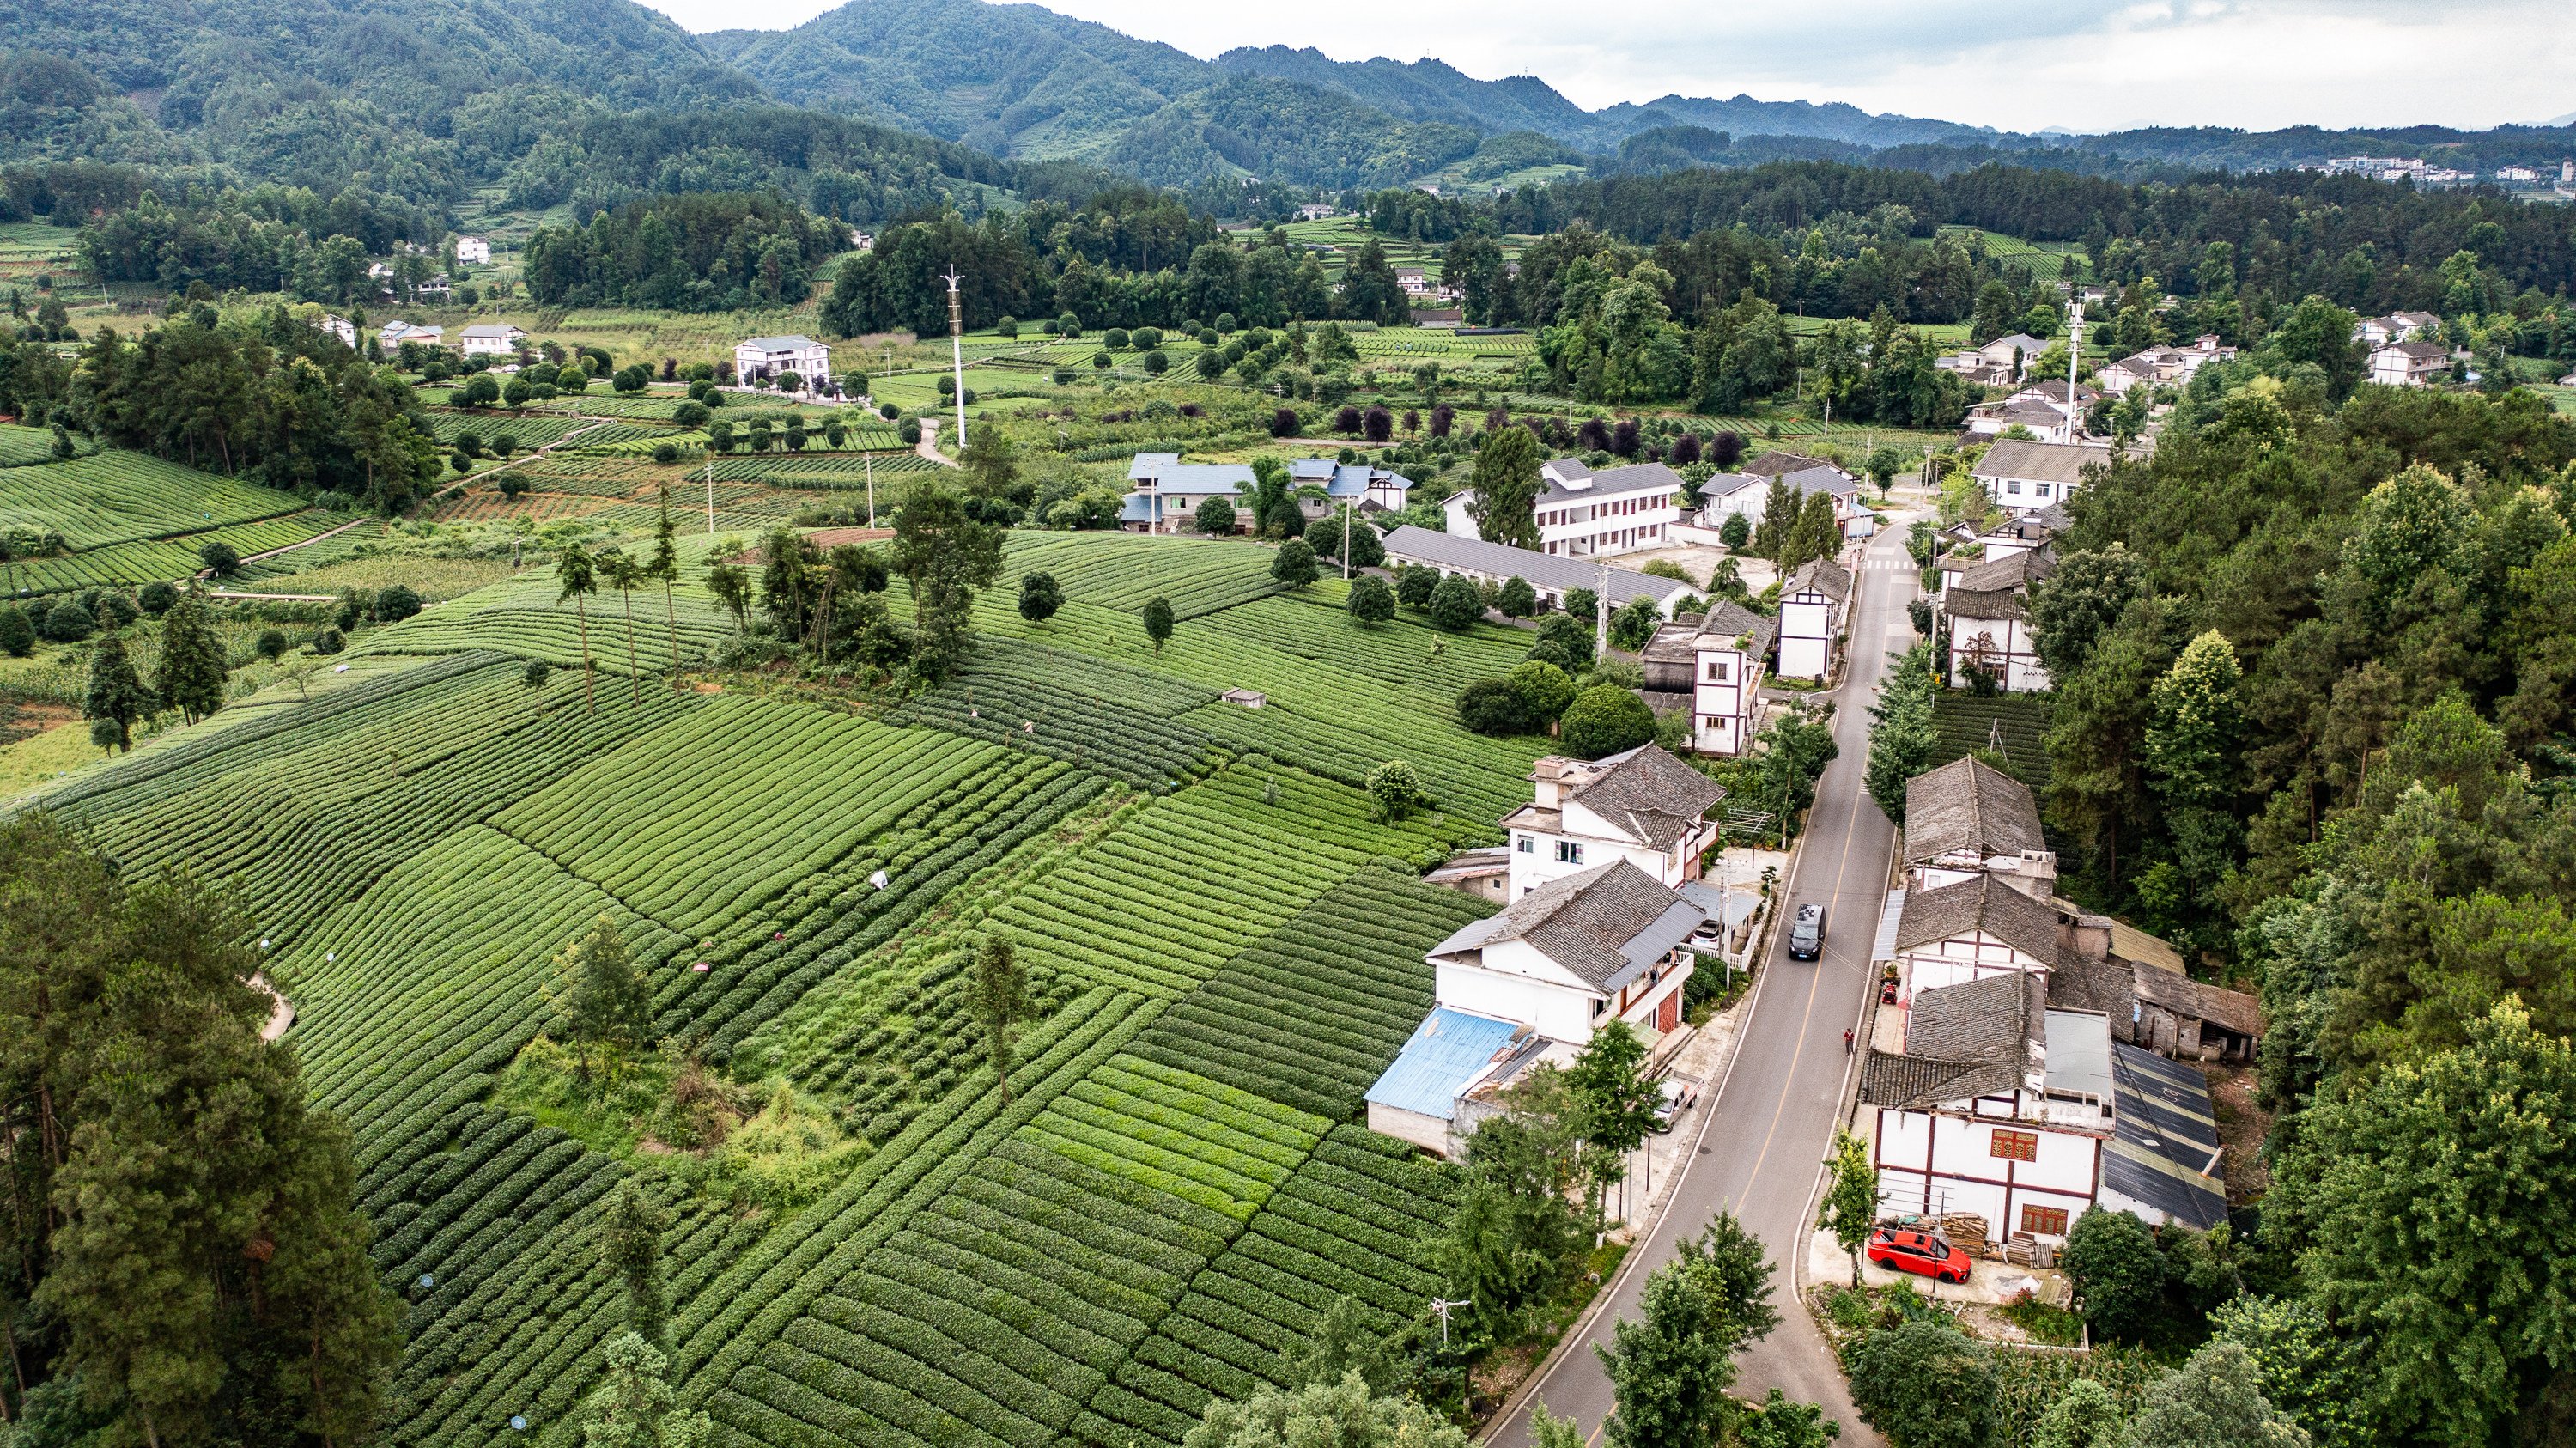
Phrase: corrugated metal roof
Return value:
(1446, 1052)
(2079, 1053)
(1884, 948)
(2165, 1153)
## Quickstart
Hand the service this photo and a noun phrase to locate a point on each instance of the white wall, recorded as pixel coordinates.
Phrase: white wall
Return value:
(1559, 1011)
(1538, 864)
(1428, 1132)
(1941, 1162)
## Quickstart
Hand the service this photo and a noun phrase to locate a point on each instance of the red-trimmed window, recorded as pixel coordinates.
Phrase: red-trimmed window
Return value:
(2044, 1221)
(2015, 1145)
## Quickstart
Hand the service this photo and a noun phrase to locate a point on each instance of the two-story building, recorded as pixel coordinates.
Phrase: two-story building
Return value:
(1748, 492)
(1988, 611)
(1716, 659)
(2397, 327)
(764, 359)
(1642, 806)
(491, 339)
(2157, 365)
(2410, 364)
(2024, 476)
(1587, 514)
(473, 251)
(1552, 577)
(333, 324)
(393, 334)
(1813, 600)
(1535, 982)
(1164, 492)
(1968, 819)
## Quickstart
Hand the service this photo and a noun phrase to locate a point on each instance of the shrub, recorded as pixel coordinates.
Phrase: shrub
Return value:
(1493, 706)
(1604, 720)
(1215, 516)
(396, 603)
(17, 634)
(1518, 599)
(1283, 422)
(910, 432)
(1146, 339)
(666, 452)
(68, 623)
(1735, 532)
(271, 644)
(157, 598)
(1926, 1385)
(1156, 364)
(1115, 339)
(115, 610)
(512, 485)
(329, 641)
(690, 414)
(1414, 585)
(221, 558)
(1397, 790)
(1571, 634)
(2118, 1271)
(1007, 327)
(1456, 604)
(1294, 565)
(1347, 420)
(1371, 600)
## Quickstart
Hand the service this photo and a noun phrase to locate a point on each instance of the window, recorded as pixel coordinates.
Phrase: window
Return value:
(2016, 1145)
(2040, 488)
(1598, 1006)
(1717, 671)
(2013, 486)
(1569, 853)
(2044, 1221)
(1528, 844)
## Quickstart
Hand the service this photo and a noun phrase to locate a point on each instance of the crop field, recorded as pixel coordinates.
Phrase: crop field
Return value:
(20, 446)
(124, 497)
(2012, 725)
(1224, 946)
(124, 565)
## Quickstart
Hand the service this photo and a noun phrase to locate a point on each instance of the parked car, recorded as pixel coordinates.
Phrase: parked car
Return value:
(1926, 1254)
(1807, 932)
(1678, 1097)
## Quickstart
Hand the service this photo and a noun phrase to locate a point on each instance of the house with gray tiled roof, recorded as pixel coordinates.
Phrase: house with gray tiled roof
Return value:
(1552, 577)
(1715, 660)
(1968, 819)
(1813, 601)
(2026, 476)
(1992, 1098)
(1574, 954)
(1584, 513)
(1164, 492)
(1642, 806)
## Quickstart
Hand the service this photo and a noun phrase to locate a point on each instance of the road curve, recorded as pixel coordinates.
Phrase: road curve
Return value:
(1763, 1138)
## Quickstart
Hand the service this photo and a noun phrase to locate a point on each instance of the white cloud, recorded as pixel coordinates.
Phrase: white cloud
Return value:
(2087, 64)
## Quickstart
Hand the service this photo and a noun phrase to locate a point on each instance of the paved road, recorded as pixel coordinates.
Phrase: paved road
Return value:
(1765, 1132)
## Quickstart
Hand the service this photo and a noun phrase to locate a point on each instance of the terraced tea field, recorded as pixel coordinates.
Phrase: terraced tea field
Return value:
(1223, 941)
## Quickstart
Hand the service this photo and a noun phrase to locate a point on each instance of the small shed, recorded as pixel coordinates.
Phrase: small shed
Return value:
(1416, 1100)
(1248, 698)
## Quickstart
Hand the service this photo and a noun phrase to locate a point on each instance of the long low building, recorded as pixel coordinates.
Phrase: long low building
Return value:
(1551, 576)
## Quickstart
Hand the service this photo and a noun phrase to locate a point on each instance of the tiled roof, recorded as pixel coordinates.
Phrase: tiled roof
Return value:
(1608, 483)
(1775, 463)
(2232, 1009)
(1961, 601)
(1725, 621)
(1984, 903)
(1606, 925)
(1650, 794)
(1978, 1038)
(2013, 570)
(2078, 984)
(1544, 570)
(1821, 574)
(1968, 807)
(2045, 462)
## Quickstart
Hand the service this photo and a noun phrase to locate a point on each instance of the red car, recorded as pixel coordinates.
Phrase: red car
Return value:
(1923, 1253)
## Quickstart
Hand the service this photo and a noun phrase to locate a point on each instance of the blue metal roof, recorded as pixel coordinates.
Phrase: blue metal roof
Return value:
(1446, 1052)
(1169, 473)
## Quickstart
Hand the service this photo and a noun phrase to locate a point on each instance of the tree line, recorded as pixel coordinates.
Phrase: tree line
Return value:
(697, 252)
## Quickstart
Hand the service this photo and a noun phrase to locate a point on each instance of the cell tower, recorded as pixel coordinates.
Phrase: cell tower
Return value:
(957, 354)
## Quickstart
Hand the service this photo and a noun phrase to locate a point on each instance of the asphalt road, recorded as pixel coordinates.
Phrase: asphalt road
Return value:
(1764, 1134)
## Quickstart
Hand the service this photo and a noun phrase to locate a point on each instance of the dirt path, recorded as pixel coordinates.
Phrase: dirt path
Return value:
(929, 445)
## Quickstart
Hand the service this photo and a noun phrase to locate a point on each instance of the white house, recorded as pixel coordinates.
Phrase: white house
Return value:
(491, 339)
(2045, 421)
(2025, 476)
(761, 358)
(1748, 493)
(394, 334)
(1988, 608)
(2008, 356)
(1584, 514)
(1552, 576)
(1812, 602)
(2397, 327)
(1968, 820)
(1317, 211)
(861, 241)
(1643, 806)
(2410, 364)
(1717, 660)
(2162, 364)
(338, 326)
(474, 250)
(1164, 492)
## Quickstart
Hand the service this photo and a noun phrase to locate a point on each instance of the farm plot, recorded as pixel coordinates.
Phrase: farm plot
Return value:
(1311, 1014)
(20, 446)
(1099, 715)
(119, 565)
(1115, 570)
(1328, 721)
(2012, 725)
(1096, 1213)
(1139, 910)
(124, 497)
(527, 429)
(819, 469)
(520, 616)
(1357, 1220)
(700, 821)
(1406, 651)
(302, 809)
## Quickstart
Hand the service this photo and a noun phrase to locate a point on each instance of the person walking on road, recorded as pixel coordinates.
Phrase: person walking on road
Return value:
(1847, 1040)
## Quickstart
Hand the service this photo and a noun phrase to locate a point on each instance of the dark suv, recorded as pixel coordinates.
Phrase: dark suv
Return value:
(1807, 932)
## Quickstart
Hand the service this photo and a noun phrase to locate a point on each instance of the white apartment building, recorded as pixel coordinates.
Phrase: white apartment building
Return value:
(762, 358)
(474, 250)
(1587, 514)
(2024, 477)
(491, 339)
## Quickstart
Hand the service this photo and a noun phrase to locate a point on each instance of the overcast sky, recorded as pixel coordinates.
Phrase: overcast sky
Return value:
(2082, 64)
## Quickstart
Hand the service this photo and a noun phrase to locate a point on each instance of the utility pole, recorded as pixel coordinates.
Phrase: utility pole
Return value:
(868, 463)
(1601, 611)
(711, 490)
(957, 354)
(2074, 351)
(1347, 510)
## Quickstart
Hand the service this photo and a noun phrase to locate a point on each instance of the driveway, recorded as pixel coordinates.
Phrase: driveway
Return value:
(1766, 1129)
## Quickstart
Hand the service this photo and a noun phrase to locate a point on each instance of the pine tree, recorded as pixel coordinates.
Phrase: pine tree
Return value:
(1001, 997)
(116, 694)
(1507, 484)
(1901, 736)
(190, 677)
(631, 1242)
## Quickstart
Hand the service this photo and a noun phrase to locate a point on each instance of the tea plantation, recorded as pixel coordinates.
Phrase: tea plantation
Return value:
(1224, 946)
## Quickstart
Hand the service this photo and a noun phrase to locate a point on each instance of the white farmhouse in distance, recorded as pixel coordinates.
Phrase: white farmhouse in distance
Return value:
(491, 339)
(340, 327)
(765, 358)
(2410, 364)
(474, 250)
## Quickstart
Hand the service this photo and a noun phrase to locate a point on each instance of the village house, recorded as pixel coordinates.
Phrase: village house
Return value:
(1643, 806)
(2410, 364)
(491, 339)
(1967, 820)
(2023, 476)
(1164, 492)
(1988, 609)
(1999, 1107)
(340, 327)
(393, 334)
(2044, 421)
(2397, 327)
(1748, 492)
(1812, 603)
(2158, 365)
(1586, 514)
(1534, 983)
(1552, 576)
(1715, 660)
(1318, 211)
(764, 359)
(473, 251)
